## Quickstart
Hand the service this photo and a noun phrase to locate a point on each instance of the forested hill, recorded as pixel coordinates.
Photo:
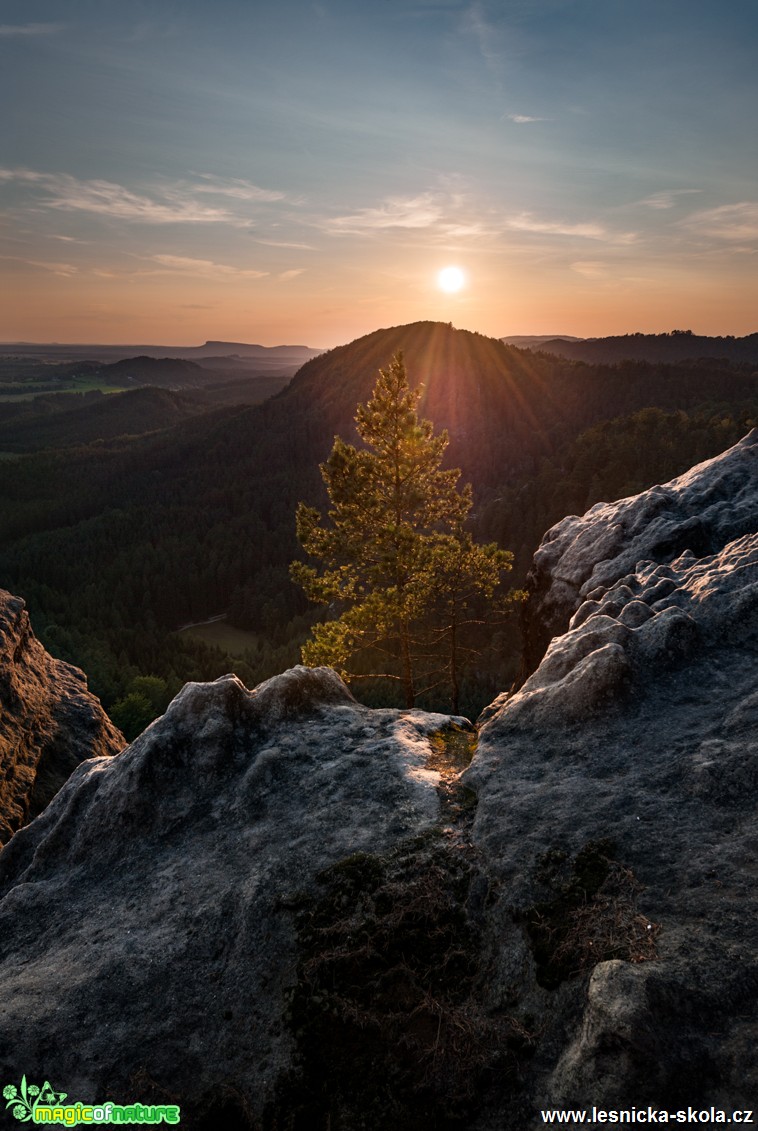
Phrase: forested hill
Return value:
(678, 345)
(504, 408)
(172, 372)
(64, 420)
(114, 548)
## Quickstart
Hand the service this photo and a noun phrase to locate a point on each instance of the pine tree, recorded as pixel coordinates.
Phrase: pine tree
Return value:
(463, 575)
(395, 554)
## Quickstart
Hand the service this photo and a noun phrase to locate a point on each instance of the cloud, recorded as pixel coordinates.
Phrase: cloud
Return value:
(64, 269)
(521, 119)
(180, 203)
(589, 268)
(668, 199)
(526, 222)
(286, 275)
(68, 194)
(423, 211)
(485, 35)
(286, 243)
(205, 267)
(30, 29)
(729, 222)
(236, 188)
(441, 215)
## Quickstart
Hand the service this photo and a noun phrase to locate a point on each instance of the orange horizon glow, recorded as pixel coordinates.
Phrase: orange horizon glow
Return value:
(158, 318)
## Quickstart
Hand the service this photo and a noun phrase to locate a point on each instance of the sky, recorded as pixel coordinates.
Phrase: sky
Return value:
(174, 170)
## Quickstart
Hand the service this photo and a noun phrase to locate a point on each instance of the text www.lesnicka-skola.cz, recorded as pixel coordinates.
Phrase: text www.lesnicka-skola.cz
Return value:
(646, 1115)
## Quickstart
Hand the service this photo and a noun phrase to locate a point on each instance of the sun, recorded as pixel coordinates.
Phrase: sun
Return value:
(451, 279)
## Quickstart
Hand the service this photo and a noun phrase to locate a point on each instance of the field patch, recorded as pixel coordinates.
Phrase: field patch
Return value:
(219, 634)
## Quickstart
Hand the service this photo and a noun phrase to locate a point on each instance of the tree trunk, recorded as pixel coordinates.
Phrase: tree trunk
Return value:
(405, 648)
(454, 688)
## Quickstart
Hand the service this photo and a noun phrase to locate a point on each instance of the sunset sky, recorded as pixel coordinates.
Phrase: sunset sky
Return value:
(176, 170)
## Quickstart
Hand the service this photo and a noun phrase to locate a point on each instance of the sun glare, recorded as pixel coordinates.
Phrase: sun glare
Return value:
(450, 280)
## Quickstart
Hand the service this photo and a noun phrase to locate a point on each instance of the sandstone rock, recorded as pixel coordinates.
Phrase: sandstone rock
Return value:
(147, 917)
(701, 511)
(637, 732)
(49, 722)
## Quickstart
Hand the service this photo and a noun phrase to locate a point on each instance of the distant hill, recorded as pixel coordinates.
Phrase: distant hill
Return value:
(535, 341)
(252, 388)
(65, 420)
(678, 345)
(253, 384)
(256, 379)
(241, 349)
(274, 356)
(166, 372)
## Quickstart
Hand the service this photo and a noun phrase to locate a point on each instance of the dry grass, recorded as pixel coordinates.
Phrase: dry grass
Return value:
(594, 916)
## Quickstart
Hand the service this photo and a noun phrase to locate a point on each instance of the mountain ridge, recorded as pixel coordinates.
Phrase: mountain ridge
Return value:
(671, 347)
(108, 352)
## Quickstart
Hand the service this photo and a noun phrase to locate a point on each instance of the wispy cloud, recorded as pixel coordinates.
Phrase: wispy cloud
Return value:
(522, 119)
(182, 202)
(285, 276)
(68, 194)
(205, 267)
(236, 188)
(64, 269)
(527, 222)
(589, 268)
(476, 23)
(286, 243)
(442, 215)
(422, 211)
(728, 222)
(452, 215)
(30, 29)
(661, 200)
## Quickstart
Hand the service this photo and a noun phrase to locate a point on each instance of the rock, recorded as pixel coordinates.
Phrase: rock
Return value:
(701, 511)
(633, 746)
(49, 722)
(155, 900)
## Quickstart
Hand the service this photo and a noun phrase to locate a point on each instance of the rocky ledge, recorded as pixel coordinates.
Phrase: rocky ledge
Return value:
(635, 741)
(49, 722)
(580, 558)
(152, 918)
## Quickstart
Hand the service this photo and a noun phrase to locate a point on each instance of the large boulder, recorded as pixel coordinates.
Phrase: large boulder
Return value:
(151, 919)
(49, 722)
(617, 799)
(581, 557)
